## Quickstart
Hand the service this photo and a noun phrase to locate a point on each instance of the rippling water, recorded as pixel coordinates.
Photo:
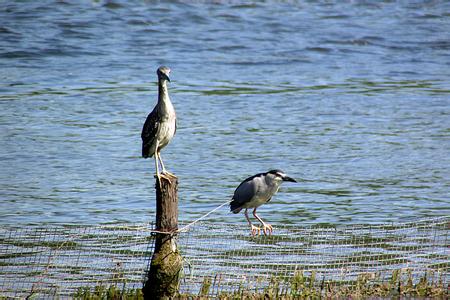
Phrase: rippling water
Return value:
(350, 99)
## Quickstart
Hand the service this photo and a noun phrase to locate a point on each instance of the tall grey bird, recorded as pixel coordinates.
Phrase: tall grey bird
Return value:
(161, 124)
(254, 192)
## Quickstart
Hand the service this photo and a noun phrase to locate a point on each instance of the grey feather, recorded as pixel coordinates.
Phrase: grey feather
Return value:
(244, 193)
(149, 132)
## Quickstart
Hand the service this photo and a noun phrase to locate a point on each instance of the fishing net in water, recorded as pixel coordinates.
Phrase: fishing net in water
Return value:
(58, 260)
(225, 258)
(54, 261)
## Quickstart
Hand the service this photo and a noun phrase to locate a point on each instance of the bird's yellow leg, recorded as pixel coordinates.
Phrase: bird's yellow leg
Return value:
(255, 230)
(164, 171)
(163, 174)
(158, 175)
(267, 228)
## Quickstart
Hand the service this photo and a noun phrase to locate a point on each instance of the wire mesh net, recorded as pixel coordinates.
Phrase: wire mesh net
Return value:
(227, 259)
(59, 260)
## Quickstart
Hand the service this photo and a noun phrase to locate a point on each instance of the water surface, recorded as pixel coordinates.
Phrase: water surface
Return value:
(353, 100)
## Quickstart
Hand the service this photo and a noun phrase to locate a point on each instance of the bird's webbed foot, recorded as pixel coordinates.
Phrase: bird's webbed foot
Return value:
(255, 230)
(267, 229)
(168, 174)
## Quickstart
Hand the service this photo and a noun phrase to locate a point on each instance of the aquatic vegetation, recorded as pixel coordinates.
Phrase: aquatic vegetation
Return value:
(369, 285)
(111, 293)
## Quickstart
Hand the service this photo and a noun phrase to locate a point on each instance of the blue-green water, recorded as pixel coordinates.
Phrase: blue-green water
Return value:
(351, 99)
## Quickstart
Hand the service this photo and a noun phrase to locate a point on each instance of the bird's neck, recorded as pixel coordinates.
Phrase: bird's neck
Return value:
(163, 91)
(163, 97)
(273, 183)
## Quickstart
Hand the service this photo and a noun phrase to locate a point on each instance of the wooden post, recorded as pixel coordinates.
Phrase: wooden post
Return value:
(165, 268)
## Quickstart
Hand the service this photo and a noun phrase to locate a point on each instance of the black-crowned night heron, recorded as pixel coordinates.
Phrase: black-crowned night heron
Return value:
(161, 125)
(254, 192)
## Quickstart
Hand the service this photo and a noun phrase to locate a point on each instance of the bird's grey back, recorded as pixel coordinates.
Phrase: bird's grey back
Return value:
(245, 192)
(248, 188)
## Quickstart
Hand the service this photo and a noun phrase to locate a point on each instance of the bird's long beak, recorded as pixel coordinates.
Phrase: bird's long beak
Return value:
(287, 178)
(167, 77)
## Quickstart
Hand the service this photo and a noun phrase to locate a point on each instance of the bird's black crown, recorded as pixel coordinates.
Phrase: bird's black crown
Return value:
(275, 172)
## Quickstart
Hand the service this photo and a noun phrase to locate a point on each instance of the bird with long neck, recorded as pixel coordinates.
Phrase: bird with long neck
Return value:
(160, 125)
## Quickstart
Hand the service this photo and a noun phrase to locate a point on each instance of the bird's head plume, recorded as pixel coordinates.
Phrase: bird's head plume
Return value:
(280, 175)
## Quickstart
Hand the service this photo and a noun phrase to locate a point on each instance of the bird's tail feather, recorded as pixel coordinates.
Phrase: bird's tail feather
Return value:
(235, 207)
(145, 151)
